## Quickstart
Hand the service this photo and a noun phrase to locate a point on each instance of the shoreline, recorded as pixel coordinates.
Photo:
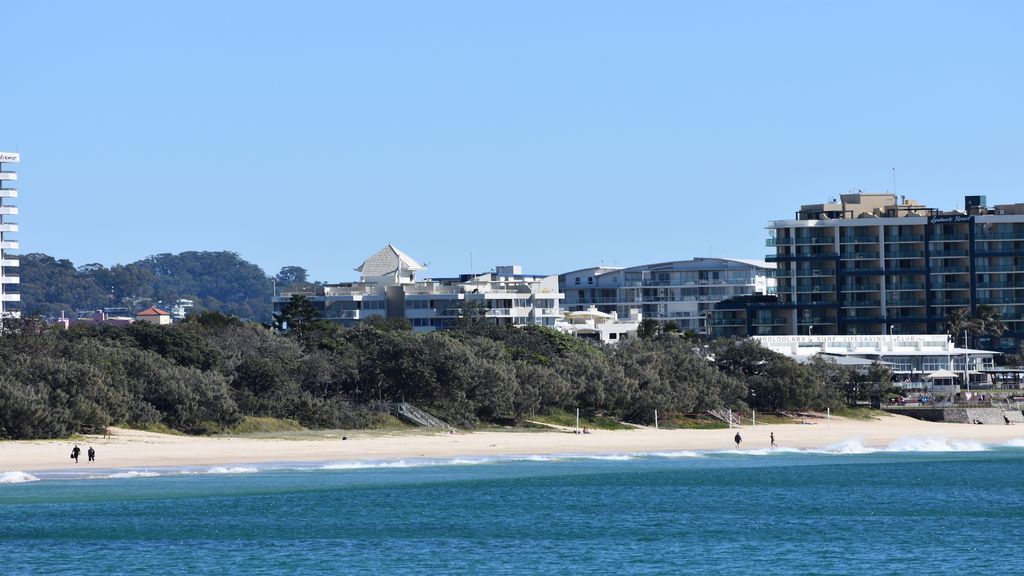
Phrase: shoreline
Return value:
(132, 449)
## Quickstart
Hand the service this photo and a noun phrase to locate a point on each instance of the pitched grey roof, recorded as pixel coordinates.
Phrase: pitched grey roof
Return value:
(387, 261)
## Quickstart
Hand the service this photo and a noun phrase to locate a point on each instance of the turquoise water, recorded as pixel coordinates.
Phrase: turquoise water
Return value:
(911, 509)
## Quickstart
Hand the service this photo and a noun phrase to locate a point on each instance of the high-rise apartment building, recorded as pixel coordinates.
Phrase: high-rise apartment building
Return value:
(682, 292)
(8, 262)
(878, 264)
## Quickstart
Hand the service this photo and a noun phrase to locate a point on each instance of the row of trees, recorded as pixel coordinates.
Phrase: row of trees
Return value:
(208, 373)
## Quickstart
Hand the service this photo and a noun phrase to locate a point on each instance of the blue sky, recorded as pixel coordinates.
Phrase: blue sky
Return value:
(556, 135)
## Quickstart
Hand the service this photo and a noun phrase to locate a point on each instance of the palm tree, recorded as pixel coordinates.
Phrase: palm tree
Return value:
(984, 321)
(989, 321)
(959, 322)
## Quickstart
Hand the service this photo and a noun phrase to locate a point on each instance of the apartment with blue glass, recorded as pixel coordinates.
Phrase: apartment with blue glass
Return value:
(882, 264)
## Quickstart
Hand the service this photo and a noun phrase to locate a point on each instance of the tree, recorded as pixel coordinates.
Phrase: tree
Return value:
(984, 321)
(648, 328)
(290, 275)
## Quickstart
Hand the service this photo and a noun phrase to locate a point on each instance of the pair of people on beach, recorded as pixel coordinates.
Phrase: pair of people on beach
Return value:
(76, 451)
(739, 439)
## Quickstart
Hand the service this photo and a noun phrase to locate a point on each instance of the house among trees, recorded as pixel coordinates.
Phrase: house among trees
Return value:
(154, 315)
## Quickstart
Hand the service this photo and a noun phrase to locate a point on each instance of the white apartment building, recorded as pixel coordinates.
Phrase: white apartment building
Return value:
(683, 291)
(8, 262)
(388, 287)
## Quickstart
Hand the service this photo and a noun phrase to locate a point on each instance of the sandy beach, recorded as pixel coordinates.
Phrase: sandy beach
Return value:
(133, 449)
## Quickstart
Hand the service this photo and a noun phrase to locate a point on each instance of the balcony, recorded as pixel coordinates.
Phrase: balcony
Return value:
(950, 270)
(8, 245)
(874, 271)
(948, 237)
(951, 302)
(827, 288)
(906, 302)
(8, 193)
(858, 240)
(860, 256)
(897, 286)
(798, 257)
(8, 175)
(997, 268)
(862, 303)
(999, 236)
(950, 286)
(10, 279)
(499, 313)
(8, 227)
(342, 315)
(949, 254)
(860, 287)
(907, 270)
(8, 210)
(9, 262)
(809, 272)
(904, 254)
(904, 238)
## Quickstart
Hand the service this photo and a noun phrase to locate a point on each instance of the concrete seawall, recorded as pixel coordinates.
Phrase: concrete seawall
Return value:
(961, 415)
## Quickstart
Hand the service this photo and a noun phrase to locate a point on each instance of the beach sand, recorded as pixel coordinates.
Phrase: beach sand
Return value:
(135, 449)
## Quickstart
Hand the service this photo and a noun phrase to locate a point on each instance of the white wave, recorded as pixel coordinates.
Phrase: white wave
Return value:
(231, 470)
(615, 457)
(678, 454)
(16, 477)
(1015, 443)
(934, 445)
(130, 474)
(851, 446)
(357, 465)
(537, 458)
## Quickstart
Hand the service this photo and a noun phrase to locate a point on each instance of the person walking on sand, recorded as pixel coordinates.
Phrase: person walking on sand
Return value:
(772, 436)
(75, 452)
(738, 439)
(92, 454)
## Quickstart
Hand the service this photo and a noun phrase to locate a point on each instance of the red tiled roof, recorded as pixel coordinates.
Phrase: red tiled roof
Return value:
(153, 311)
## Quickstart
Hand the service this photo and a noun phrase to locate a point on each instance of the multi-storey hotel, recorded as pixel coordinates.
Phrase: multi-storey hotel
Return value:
(388, 287)
(682, 292)
(875, 264)
(8, 263)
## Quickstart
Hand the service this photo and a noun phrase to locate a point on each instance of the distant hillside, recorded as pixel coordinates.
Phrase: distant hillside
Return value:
(215, 281)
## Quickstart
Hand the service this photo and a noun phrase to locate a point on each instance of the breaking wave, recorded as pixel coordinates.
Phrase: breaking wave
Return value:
(16, 477)
(231, 470)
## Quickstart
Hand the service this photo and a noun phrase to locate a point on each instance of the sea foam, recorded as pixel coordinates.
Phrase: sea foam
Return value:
(231, 470)
(16, 477)
(130, 474)
(1015, 443)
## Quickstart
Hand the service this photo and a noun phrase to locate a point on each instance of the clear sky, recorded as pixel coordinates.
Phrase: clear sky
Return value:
(556, 135)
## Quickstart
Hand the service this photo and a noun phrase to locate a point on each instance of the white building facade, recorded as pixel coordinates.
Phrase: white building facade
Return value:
(682, 292)
(9, 277)
(388, 287)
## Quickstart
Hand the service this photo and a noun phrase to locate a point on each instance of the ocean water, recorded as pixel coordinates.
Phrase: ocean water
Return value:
(917, 507)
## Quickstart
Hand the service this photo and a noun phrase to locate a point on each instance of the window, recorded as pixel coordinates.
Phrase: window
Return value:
(590, 279)
(577, 280)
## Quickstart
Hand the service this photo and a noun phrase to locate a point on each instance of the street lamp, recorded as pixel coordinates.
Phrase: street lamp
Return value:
(891, 326)
(810, 330)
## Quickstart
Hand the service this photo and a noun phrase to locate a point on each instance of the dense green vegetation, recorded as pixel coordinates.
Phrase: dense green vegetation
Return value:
(215, 281)
(210, 373)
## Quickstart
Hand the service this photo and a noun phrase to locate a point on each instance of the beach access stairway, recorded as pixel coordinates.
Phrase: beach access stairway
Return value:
(410, 414)
(727, 416)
